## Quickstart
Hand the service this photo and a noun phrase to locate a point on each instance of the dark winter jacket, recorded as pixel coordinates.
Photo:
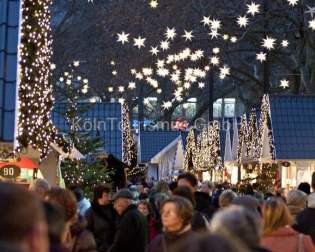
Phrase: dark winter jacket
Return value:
(305, 222)
(83, 238)
(102, 223)
(132, 232)
(199, 222)
(153, 230)
(167, 242)
(203, 204)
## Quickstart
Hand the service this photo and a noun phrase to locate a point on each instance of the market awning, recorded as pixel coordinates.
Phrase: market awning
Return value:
(22, 162)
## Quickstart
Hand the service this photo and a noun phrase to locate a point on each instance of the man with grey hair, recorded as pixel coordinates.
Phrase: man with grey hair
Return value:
(40, 187)
(226, 198)
(241, 224)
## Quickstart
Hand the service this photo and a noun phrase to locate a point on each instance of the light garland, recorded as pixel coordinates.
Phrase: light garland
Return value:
(190, 154)
(35, 127)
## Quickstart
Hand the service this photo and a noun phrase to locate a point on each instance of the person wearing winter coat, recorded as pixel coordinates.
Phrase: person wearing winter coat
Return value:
(101, 218)
(76, 237)
(132, 231)
(83, 203)
(305, 220)
(278, 235)
(176, 214)
(145, 208)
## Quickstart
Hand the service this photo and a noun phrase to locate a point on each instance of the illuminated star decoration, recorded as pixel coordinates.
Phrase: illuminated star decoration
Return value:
(76, 63)
(242, 21)
(233, 39)
(311, 24)
(269, 43)
(153, 4)
(123, 38)
(154, 50)
(293, 2)
(285, 43)
(224, 71)
(167, 105)
(206, 21)
(139, 42)
(132, 85)
(214, 34)
(261, 56)
(253, 8)
(165, 45)
(188, 35)
(284, 83)
(214, 60)
(170, 33)
(201, 84)
(311, 11)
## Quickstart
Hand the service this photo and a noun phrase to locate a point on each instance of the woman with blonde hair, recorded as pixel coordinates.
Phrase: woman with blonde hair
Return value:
(278, 235)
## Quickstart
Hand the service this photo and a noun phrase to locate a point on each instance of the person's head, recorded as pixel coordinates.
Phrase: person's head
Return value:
(40, 187)
(313, 181)
(176, 214)
(226, 198)
(275, 215)
(172, 186)
(64, 199)
(140, 188)
(101, 195)
(239, 223)
(123, 199)
(56, 222)
(185, 192)
(162, 187)
(206, 187)
(305, 187)
(22, 220)
(249, 202)
(296, 198)
(188, 179)
(145, 208)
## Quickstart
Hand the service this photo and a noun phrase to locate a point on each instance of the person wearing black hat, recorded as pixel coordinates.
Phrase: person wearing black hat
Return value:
(132, 231)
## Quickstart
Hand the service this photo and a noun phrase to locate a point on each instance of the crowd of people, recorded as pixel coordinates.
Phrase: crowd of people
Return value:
(184, 215)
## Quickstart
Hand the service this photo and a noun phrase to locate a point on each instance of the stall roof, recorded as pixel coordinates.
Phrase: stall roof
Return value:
(293, 126)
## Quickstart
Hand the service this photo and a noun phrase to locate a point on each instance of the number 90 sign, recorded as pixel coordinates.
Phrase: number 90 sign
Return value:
(10, 171)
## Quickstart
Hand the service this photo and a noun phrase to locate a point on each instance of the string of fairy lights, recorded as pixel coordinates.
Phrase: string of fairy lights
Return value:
(35, 127)
(203, 152)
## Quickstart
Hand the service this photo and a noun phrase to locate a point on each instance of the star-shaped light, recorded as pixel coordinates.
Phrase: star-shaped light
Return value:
(121, 100)
(159, 91)
(206, 21)
(110, 89)
(121, 89)
(225, 70)
(293, 2)
(187, 85)
(123, 38)
(53, 66)
(242, 21)
(167, 105)
(76, 63)
(132, 85)
(139, 42)
(215, 24)
(269, 43)
(201, 84)
(226, 36)
(188, 35)
(146, 101)
(113, 63)
(285, 43)
(154, 4)
(114, 72)
(311, 11)
(133, 71)
(139, 76)
(214, 34)
(311, 24)
(163, 72)
(160, 63)
(216, 50)
(233, 39)
(165, 45)
(253, 8)
(261, 56)
(154, 50)
(284, 83)
(170, 33)
(147, 71)
(214, 60)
